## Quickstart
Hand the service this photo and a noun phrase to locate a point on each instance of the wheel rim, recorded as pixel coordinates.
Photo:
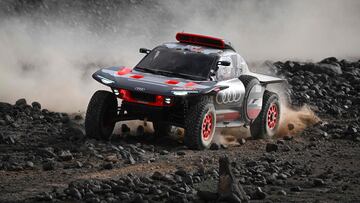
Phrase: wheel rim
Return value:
(272, 116)
(207, 126)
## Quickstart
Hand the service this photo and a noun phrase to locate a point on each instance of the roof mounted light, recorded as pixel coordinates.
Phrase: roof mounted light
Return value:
(200, 40)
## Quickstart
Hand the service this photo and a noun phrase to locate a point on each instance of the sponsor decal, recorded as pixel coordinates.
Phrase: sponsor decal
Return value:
(228, 96)
(183, 88)
(141, 89)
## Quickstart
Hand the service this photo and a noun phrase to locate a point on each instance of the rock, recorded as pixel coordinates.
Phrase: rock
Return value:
(296, 189)
(291, 126)
(164, 152)
(157, 176)
(111, 158)
(21, 102)
(131, 160)
(181, 153)
(78, 117)
(45, 196)
(282, 192)
(318, 182)
(331, 69)
(108, 166)
(8, 119)
(207, 196)
(2, 122)
(7, 139)
(65, 155)
(229, 190)
(125, 128)
(49, 165)
(36, 105)
(288, 137)
(140, 130)
(214, 146)
(258, 194)
(47, 152)
(271, 147)
(75, 131)
(242, 141)
(73, 192)
(29, 164)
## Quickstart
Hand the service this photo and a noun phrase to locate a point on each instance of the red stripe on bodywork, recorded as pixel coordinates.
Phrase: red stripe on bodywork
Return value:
(124, 71)
(190, 84)
(172, 82)
(126, 96)
(228, 116)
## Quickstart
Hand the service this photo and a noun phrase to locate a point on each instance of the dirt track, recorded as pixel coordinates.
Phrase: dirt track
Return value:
(46, 156)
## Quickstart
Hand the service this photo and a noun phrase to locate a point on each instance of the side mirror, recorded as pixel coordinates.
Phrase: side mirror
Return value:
(144, 50)
(224, 63)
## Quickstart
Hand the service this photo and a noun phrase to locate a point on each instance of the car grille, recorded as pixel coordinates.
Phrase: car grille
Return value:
(145, 97)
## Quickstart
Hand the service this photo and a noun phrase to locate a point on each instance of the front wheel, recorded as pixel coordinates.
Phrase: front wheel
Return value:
(267, 122)
(200, 125)
(100, 115)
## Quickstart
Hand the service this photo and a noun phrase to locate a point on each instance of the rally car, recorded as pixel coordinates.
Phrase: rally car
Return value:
(198, 83)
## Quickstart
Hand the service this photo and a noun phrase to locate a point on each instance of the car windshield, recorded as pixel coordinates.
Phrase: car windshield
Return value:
(178, 62)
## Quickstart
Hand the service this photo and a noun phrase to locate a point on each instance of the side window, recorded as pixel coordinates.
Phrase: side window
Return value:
(225, 72)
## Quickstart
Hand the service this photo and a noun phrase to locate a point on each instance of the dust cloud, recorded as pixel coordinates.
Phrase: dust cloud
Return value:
(49, 49)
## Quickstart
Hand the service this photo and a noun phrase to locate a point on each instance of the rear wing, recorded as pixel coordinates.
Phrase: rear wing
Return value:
(266, 79)
(203, 40)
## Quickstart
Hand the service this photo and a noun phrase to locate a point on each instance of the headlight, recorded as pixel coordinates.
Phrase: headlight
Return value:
(180, 93)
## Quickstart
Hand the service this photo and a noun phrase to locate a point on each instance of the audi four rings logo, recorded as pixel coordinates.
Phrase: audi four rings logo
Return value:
(228, 96)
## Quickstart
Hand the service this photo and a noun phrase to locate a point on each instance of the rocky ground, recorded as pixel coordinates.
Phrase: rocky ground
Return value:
(45, 155)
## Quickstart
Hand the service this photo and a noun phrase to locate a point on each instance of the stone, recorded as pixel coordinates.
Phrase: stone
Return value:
(282, 192)
(125, 128)
(21, 102)
(131, 160)
(229, 189)
(181, 153)
(108, 165)
(2, 122)
(271, 147)
(36, 105)
(291, 126)
(73, 192)
(65, 155)
(242, 141)
(47, 152)
(8, 119)
(29, 164)
(296, 189)
(49, 165)
(258, 194)
(318, 182)
(45, 196)
(214, 146)
(207, 196)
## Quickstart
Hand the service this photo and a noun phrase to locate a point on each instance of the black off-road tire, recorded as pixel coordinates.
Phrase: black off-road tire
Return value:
(100, 115)
(161, 129)
(260, 128)
(249, 82)
(197, 113)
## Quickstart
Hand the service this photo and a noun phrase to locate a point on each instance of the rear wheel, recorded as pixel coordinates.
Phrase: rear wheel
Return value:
(267, 122)
(200, 125)
(100, 115)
